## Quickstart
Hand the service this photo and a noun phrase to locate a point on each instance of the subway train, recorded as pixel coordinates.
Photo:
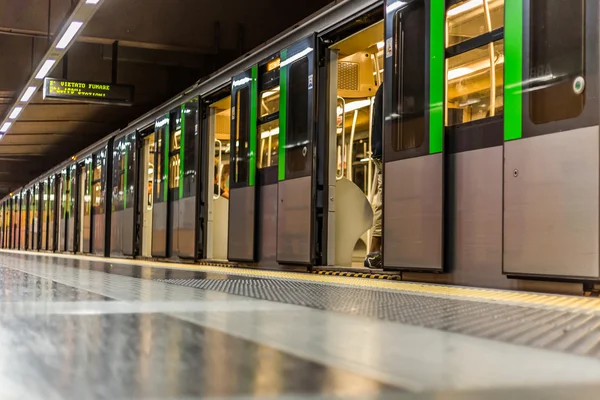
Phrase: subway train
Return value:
(490, 153)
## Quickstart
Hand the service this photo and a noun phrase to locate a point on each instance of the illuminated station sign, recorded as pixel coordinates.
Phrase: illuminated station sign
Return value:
(88, 92)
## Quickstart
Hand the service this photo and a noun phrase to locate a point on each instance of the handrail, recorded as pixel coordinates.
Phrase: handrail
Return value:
(341, 175)
(219, 169)
(351, 146)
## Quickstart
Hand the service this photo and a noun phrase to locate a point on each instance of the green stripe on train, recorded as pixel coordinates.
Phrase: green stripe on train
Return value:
(253, 121)
(437, 15)
(513, 73)
(282, 115)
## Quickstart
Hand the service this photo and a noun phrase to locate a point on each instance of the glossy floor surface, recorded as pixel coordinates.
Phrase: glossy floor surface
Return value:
(115, 329)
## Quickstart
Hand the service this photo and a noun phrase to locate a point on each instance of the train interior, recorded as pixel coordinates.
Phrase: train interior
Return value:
(218, 179)
(357, 72)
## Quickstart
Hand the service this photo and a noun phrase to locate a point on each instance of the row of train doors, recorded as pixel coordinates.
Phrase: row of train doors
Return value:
(232, 176)
(253, 172)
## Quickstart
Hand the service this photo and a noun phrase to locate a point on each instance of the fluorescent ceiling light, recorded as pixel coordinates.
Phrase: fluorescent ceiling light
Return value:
(380, 45)
(472, 67)
(15, 112)
(355, 105)
(45, 69)
(296, 57)
(272, 132)
(469, 5)
(69, 34)
(28, 93)
(92, 1)
(5, 127)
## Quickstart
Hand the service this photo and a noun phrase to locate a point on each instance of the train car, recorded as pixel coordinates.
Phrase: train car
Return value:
(489, 145)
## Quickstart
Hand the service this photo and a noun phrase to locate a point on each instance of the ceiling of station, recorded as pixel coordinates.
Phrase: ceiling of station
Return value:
(164, 46)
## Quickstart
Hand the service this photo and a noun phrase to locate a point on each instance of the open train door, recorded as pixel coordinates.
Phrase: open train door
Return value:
(295, 205)
(242, 191)
(413, 189)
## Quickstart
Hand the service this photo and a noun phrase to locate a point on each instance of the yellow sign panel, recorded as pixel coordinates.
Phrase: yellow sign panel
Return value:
(271, 65)
(88, 92)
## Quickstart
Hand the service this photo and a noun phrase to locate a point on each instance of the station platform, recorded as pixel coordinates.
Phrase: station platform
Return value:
(94, 328)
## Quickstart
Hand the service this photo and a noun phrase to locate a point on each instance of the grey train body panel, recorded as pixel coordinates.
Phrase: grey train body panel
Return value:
(267, 226)
(241, 224)
(70, 233)
(116, 237)
(174, 228)
(86, 234)
(127, 232)
(187, 227)
(474, 218)
(413, 213)
(98, 235)
(294, 216)
(159, 229)
(551, 201)
(62, 237)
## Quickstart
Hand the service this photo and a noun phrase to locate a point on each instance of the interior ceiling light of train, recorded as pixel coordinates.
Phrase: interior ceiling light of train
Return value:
(81, 15)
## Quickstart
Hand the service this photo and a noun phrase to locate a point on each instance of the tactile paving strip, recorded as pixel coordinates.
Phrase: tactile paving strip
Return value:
(561, 330)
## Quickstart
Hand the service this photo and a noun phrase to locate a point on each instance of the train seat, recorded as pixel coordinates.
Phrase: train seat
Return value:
(354, 216)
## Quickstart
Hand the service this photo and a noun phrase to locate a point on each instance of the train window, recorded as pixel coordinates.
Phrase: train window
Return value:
(297, 139)
(97, 202)
(269, 144)
(474, 89)
(242, 128)
(99, 184)
(189, 152)
(87, 196)
(118, 165)
(161, 127)
(471, 18)
(556, 60)
(269, 102)
(474, 75)
(408, 130)
(174, 163)
(131, 158)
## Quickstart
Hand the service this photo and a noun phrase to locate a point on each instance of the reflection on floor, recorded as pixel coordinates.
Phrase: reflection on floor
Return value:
(75, 329)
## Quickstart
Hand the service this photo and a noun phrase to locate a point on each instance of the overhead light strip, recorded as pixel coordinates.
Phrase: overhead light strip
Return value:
(15, 112)
(81, 15)
(48, 64)
(5, 127)
(69, 34)
(28, 94)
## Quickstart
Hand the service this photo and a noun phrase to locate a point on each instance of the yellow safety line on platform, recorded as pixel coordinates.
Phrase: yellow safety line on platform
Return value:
(525, 298)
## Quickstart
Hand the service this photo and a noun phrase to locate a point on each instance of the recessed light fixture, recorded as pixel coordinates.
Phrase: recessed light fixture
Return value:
(45, 69)
(69, 34)
(5, 127)
(28, 93)
(92, 1)
(15, 112)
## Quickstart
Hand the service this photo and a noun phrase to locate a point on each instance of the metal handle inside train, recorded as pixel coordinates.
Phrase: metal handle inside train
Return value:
(341, 175)
(219, 170)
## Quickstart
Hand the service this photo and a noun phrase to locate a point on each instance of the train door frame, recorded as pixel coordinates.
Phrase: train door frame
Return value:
(143, 194)
(296, 187)
(160, 209)
(543, 135)
(413, 230)
(70, 232)
(61, 216)
(326, 146)
(205, 189)
(241, 239)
